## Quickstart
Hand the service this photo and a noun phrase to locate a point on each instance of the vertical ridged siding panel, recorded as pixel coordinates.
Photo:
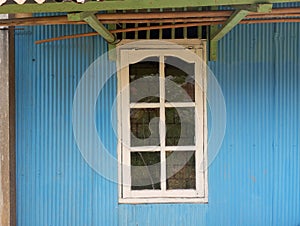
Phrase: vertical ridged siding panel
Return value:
(258, 70)
(254, 180)
(286, 206)
(242, 176)
(55, 186)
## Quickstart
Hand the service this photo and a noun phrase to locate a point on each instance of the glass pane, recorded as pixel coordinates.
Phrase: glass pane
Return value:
(180, 126)
(144, 125)
(145, 170)
(181, 172)
(180, 80)
(144, 81)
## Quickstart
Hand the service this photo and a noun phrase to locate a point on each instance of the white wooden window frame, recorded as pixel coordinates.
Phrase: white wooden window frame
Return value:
(127, 56)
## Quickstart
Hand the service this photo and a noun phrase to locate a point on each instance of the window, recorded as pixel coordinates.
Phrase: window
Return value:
(162, 123)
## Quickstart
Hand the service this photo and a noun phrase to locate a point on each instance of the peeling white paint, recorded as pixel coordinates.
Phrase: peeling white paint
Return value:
(3, 16)
(4, 138)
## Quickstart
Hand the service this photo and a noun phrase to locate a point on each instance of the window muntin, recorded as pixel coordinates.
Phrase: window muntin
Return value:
(163, 130)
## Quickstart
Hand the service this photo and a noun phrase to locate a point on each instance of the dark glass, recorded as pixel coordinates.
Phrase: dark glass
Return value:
(145, 170)
(181, 173)
(144, 126)
(180, 126)
(144, 81)
(180, 80)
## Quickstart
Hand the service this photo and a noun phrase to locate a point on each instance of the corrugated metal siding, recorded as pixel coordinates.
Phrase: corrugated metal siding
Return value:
(55, 186)
(243, 192)
(286, 151)
(258, 164)
(253, 181)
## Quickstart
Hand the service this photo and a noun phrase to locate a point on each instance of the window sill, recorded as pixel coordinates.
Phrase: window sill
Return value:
(162, 200)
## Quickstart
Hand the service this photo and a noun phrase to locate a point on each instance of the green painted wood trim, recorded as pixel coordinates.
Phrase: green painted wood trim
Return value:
(93, 21)
(233, 20)
(213, 45)
(213, 50)
(122, 5)
(259, 8)
(80, 16)
(112, 53)
(242, 11)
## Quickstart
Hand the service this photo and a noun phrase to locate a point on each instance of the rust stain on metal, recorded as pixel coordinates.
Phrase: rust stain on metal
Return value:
(253, 178)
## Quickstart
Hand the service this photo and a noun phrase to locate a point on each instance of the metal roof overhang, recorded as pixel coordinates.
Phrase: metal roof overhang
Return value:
(9, 7)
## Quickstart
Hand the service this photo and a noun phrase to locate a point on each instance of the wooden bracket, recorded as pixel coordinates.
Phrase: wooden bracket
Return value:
(92, 20)
(234, 19)
(239, 14)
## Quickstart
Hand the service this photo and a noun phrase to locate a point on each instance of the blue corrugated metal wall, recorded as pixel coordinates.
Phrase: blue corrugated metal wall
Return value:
(55, 186)
(255, 179)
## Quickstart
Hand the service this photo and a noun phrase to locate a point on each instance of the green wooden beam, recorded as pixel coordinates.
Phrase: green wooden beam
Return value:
(213, 45)
(123, 5)
(234, 19)
(259, 8)
(93, 21)
(213, 49)
(112, 53)
(80, 16)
